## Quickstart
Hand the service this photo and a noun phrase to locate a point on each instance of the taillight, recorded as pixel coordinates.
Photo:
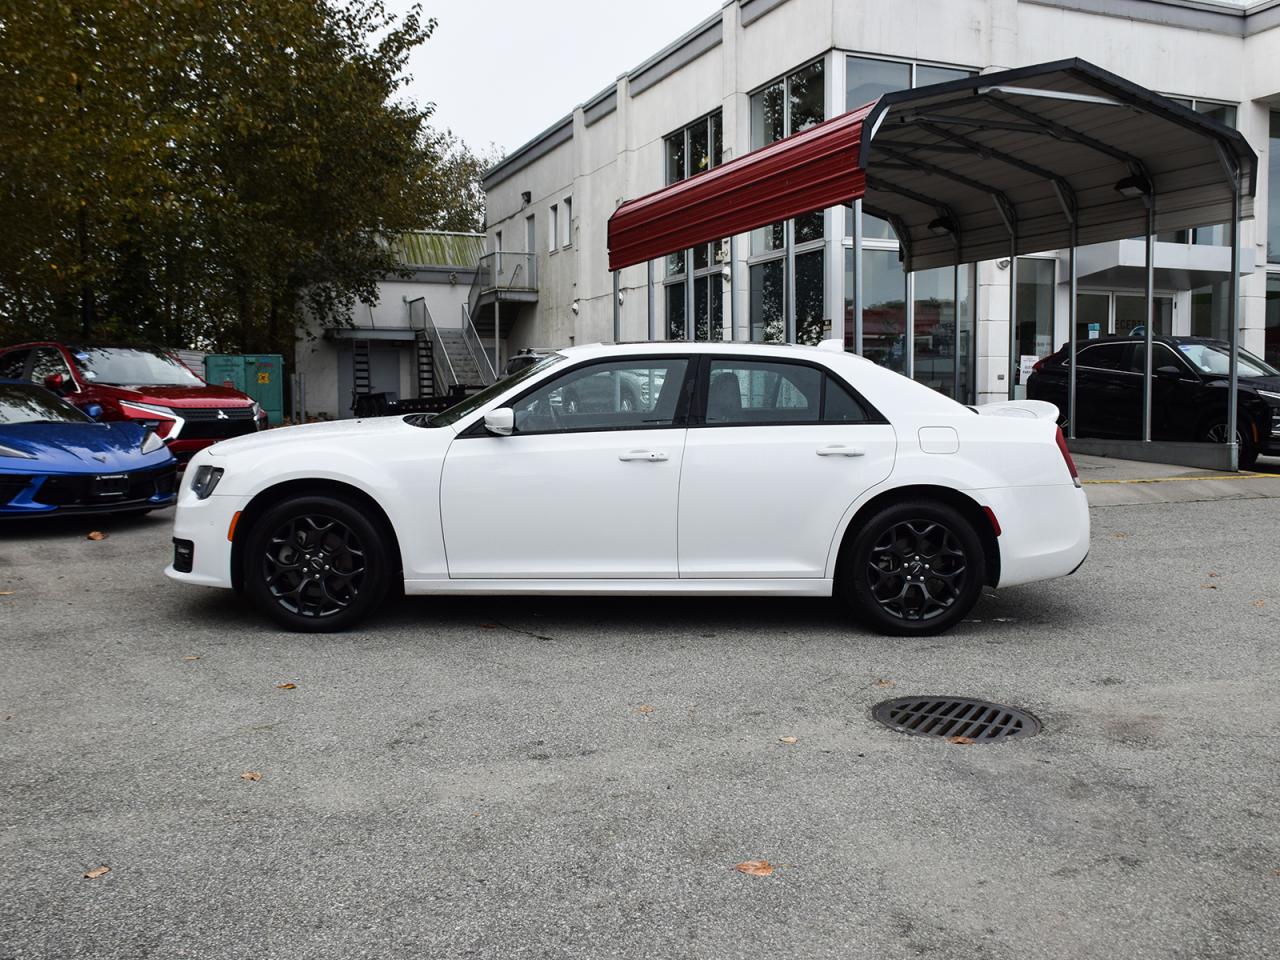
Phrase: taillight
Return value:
(1039, 364)
(1066, 455)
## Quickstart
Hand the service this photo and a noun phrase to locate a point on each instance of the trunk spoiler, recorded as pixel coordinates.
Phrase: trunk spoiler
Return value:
(1020, 409)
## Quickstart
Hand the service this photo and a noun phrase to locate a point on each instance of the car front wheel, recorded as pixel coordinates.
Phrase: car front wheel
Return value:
(913, 569)
(315, 563)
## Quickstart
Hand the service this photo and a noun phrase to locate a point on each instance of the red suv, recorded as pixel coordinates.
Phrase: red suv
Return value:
(137, 383)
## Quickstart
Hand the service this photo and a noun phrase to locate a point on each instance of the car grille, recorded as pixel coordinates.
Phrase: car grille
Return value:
(204, 423)
(11, 485)
(107, 488)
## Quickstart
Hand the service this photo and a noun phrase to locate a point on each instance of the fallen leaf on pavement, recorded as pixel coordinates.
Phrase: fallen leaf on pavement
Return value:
(1208, 586)
(1212, 574)
(788, 739)
(755, 868)
(1259, 603)
(96, 535)
(884, 683)
(1276, 872)
(193, 657)
(961, 741)
(286, 686)
(1122, 536)
(644, 708)
(96, 872)
(6, 593)
(251, 775)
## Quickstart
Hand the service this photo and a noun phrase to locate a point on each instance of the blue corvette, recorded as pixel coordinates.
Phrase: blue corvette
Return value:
(56, 460)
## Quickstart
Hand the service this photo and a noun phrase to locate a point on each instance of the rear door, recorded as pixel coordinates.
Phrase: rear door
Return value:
(776, 453)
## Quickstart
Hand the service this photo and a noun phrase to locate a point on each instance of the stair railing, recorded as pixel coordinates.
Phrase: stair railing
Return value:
(475, 347)
(442, 366)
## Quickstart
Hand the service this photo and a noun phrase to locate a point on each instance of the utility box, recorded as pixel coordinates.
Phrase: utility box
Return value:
(259, 375)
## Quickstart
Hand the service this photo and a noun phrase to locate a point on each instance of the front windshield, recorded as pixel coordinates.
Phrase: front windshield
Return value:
(478, 400)
(126, 367)
(27, 403)
(1214, 360)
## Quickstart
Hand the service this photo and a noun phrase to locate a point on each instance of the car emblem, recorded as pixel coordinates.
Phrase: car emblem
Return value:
(222, 415)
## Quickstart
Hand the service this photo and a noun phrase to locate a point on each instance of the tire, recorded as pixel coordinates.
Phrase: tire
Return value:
(1216, 432)
(914, 569)
(316, 564)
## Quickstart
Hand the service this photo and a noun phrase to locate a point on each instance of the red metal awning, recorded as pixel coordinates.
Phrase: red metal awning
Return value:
(812, 170)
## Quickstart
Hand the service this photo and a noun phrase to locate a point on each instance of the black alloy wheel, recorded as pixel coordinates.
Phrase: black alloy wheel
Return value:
(1247, 456)
(316, 564)
(914, 569)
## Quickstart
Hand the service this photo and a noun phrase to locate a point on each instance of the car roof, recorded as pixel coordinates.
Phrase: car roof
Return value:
(795, 351)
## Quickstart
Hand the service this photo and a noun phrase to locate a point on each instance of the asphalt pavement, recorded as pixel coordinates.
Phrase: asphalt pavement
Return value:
(533, 778)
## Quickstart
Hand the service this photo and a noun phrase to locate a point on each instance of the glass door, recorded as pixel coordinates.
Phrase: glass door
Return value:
(1129, 311)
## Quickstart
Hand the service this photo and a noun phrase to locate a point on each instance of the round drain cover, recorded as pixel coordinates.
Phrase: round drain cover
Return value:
(976, 720)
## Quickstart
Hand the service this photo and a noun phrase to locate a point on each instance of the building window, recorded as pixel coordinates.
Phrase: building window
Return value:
(1271, 342)
(921, 324)
(1034, 339)
(695, 310)
(1215, 235)
(568, 221)
(1273, 191)
(553, 229)
(786, 106)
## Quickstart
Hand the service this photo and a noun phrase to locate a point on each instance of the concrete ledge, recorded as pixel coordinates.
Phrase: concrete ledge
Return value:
(1207, 456)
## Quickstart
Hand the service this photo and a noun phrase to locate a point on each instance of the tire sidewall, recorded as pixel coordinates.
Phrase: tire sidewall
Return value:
(373, 542)
(856, 589)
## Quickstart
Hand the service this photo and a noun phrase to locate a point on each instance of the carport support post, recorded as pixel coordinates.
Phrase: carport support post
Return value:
(1072, 335)
(857, 277)
(1234, 313)
(1013, 313)
(1147, 327)
(733, 290)
(617, 310)
(649, 301)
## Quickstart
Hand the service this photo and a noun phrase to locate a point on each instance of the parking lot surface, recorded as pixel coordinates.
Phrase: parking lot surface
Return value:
(577, 778)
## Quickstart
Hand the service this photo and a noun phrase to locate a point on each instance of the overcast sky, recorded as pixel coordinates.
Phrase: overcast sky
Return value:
(501, 72)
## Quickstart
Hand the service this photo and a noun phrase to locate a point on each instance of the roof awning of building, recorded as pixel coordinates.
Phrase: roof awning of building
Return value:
(1032, 159)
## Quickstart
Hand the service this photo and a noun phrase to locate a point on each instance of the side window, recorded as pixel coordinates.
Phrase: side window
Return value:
(45, 362)
(1104, 356)
(757, 391)
(12, 364)
(622, 395)
(840, 406)
(1162, 356)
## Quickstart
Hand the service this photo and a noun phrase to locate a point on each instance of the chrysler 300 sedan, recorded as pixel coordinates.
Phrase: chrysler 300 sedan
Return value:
(651, 469)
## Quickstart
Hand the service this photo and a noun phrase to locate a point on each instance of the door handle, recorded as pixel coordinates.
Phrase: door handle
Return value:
(646, 456)
(840, 450)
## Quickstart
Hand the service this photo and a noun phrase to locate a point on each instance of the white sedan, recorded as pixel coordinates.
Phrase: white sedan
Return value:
(647, 469)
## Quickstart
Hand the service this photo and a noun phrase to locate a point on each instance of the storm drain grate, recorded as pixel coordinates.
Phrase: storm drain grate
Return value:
(977, 720)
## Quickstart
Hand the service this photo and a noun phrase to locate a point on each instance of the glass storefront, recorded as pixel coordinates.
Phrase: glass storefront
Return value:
(1271, 335)
(933, 315)
(1035, 315)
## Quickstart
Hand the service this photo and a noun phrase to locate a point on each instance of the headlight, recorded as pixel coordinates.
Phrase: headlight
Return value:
(168, 423)
(257, 415)
(1269, 394)
(203, 481)
(20, 454)
(151, 442)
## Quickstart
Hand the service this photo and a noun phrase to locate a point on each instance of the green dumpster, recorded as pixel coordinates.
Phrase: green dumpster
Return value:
(260, 375)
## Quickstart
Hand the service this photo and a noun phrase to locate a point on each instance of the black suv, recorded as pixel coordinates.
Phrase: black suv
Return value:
(1188, 391)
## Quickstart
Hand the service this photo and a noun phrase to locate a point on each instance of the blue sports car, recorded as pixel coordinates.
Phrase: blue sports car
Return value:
(54, 459)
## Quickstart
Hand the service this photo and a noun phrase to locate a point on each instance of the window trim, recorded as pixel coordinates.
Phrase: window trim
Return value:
(678, 421)
(697, 412)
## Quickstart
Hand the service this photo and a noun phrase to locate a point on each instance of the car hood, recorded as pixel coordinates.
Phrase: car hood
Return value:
(334, 431)
(79, 448)
(207, 395)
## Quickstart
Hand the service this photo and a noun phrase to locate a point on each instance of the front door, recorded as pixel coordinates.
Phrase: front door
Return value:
(586, 487)
(776, 454)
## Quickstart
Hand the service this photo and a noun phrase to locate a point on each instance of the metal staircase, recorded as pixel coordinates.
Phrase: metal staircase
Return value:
(451, 360)
(362, 382)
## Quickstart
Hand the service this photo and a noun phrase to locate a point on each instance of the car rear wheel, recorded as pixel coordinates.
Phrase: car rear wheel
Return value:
(315, 563)
(913, 569)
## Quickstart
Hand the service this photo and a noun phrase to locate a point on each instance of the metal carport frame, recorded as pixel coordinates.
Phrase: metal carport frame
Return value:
(999, 165)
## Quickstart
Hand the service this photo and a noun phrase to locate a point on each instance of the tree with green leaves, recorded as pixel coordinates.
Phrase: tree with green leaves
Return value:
(201, 172)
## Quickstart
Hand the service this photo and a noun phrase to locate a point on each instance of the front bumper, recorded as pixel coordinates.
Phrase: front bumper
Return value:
(44, 494)
(205, 523)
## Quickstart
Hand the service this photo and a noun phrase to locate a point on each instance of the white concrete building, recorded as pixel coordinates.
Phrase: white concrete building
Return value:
(761, 69)
(408, 344)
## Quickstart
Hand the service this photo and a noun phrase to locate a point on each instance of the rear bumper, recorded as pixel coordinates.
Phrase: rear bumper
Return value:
(1044, 531)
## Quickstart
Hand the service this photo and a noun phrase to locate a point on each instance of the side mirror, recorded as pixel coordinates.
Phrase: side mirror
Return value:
(94, 410)
(500, 422)
(54, 382)
(1168, 373)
